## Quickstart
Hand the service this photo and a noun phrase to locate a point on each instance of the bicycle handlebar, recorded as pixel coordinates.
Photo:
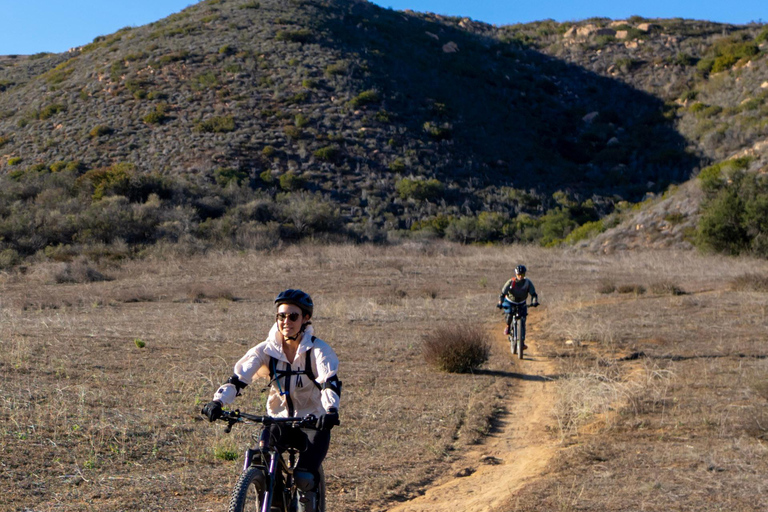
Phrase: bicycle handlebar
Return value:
(232, 417)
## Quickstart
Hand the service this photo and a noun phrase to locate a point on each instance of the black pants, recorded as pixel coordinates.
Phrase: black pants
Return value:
(312, 445)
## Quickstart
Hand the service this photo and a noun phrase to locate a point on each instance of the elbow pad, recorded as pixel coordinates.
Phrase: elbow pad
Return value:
(235, 381)
(334, 384)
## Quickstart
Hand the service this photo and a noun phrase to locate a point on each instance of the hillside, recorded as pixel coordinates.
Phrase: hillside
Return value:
(244, 123)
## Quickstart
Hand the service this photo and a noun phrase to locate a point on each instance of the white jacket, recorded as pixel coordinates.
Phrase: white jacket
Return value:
(294, 395)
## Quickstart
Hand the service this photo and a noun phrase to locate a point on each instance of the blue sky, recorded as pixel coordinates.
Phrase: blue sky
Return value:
(32, 26)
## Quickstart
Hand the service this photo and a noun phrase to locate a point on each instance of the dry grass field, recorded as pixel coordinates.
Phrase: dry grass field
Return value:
(661, 375)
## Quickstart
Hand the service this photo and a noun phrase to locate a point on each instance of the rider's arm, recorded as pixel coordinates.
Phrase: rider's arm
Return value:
(505, 290)
(532, 292)
(327, 367)
(245, 371)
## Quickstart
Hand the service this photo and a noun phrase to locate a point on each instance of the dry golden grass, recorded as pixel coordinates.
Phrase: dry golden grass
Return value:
(662, 399)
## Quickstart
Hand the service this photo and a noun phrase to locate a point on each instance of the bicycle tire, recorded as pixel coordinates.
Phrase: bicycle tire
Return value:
(248, 493)
(320, 490)
(520, 337)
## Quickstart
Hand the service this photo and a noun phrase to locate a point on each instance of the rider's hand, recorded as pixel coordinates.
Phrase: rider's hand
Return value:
(498, 305)
(328, 420)
(212, 410)
(534, 304)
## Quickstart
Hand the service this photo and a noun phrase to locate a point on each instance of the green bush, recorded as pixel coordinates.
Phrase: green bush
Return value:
(14, 160)
(328, 153)
(50, 111)
(419, 189)
(295, 36)
(230, 175)
(458, 348)
(721, 226)
(100, 130)
(438, 131)
(220, 124)
(291, 181)
(365, 98)
(587, 230)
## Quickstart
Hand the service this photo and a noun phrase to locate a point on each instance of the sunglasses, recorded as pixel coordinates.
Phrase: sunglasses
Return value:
(280, 317)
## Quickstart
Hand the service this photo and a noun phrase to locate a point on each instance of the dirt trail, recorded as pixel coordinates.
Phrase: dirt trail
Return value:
(516, 453)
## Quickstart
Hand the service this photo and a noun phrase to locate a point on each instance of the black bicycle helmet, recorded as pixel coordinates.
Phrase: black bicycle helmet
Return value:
(297, 298)
(520, 269)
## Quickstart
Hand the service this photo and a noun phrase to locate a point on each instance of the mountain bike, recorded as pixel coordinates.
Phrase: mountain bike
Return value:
(516, 314)
(267, 482)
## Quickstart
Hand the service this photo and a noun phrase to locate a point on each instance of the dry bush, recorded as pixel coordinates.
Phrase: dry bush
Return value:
(637, 289)
(78, 271)
(606, 287)
(603, 388)
(750, 283)
(457, 348)
(199, 292)
(666, 288)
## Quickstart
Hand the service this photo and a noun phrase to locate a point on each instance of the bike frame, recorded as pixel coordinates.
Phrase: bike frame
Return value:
(271, 458)
(516, 314)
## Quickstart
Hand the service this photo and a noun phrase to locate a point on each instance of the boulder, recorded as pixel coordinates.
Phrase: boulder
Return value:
(450, 47)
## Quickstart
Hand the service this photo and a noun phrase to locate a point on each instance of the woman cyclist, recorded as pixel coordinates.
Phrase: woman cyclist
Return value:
(303, 380)
(517, 289)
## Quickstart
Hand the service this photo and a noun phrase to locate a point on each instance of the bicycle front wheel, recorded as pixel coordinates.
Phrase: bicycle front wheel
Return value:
(248, 494)
(321, 490)
(519, 330)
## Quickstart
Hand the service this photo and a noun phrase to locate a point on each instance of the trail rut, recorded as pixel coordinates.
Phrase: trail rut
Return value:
(517, 452)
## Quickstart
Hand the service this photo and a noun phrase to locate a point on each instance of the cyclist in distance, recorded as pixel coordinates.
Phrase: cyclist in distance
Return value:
(302, 372)
(517, 289)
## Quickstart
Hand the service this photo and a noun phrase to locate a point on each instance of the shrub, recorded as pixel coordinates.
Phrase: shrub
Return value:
(221, 124)
(636, 289)
(457, 348)
(100, 130)
(666, 288)
(340, 68)
(266, 177)
(50, 111)
(328, 153)
(750, 282)
(157, 116)
(293, 132)
(109, 180)
(295, 36)
(398, 165)
(365, 98)
(606, 287)
(4, 141)
(438, 131)
(419, 189)
(290, 181)
(79, 271)
(226, 176)
(721, 225)
(9, 258)
(588, 230)
(14, 160)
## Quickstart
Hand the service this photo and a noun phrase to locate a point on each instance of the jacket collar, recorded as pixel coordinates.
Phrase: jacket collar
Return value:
(274, 346)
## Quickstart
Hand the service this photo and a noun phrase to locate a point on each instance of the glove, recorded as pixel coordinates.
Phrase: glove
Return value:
(535, 304)
(498, 305)
(212, 410)
(328, 420)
